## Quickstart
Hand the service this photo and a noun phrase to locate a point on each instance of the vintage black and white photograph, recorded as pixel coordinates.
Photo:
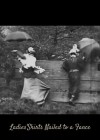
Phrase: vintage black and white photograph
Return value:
(50, 69)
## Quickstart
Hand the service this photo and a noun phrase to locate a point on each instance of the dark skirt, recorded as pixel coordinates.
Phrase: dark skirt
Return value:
(29, 73)
(74, 84)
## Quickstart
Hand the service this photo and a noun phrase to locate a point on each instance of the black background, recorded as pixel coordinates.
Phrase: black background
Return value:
(84, 120)
(67, 15)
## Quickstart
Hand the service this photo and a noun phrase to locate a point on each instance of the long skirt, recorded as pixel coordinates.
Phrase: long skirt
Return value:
(74, 84)
(35, 90)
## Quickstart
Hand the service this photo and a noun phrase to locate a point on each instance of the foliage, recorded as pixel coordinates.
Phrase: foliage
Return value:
(50, 42)
(9, 105)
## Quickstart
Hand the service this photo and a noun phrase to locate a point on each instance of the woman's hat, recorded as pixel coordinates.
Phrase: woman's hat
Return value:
(30, 49)
(74, 50)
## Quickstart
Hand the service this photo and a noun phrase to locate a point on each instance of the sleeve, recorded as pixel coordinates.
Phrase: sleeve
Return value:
(33, 64)
(65, 66)
(20, 54)
(82, 62)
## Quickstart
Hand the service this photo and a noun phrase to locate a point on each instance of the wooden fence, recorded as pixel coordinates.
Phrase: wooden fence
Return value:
(57, 79)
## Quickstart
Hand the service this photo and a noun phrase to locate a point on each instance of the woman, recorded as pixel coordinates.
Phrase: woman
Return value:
(33, 88)
(74, 65)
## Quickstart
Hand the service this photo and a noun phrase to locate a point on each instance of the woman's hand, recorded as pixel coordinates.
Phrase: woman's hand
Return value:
(20, 70)
(14, 51)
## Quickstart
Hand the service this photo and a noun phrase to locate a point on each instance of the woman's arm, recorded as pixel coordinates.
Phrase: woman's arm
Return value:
(20, 54)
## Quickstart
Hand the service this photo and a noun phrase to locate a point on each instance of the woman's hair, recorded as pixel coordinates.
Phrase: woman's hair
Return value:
(32, 53)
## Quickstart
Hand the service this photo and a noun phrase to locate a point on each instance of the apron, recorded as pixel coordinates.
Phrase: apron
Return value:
(35, 90)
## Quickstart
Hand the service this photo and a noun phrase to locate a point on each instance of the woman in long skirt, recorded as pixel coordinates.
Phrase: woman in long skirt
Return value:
(33, 88)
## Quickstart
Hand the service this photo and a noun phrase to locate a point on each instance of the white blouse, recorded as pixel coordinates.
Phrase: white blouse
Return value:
(30, 61)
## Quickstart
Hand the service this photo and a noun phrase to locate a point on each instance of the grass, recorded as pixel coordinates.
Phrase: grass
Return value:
(25, 106)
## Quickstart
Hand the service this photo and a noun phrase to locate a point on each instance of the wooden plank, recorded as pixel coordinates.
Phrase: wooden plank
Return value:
(57, 78)
(51, 74)
(59, 85)
(62, 95)
(63, 85)
(47, 64)
(84, 97)
(95, 75)
(95, 85)
(54, 69)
